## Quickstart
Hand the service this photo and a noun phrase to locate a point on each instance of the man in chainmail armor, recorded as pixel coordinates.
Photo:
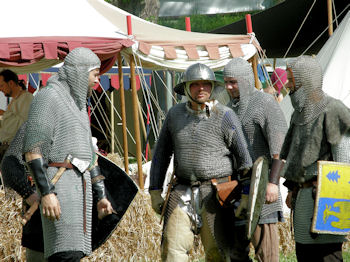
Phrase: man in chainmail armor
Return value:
(319, 130)
(58, 125)
(264, 126)
(207, 142)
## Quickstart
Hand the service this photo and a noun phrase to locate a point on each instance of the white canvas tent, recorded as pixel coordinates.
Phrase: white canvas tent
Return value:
(37, 34)
(334, 58)
(39, 25)
(160, 47)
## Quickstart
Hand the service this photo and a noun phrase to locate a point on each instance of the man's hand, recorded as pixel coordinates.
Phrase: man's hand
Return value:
(157, 200)
(271, 193)
(104, 208)
(51, 207)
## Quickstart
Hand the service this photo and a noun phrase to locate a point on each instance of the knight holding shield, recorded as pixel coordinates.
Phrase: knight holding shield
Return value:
(319, 130)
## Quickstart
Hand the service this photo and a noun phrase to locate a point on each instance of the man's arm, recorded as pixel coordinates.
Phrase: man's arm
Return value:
(275, 130)
(272, 186)
(160, 162)
(50, 205)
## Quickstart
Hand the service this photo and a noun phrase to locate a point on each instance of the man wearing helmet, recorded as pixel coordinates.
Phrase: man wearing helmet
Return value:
(207, 142)
(264, 126)
(319, 130)
(58, 125)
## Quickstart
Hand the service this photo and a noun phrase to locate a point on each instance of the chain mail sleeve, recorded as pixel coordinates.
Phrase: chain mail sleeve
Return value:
(162, 155)
(234, 137)
(41, 123)
(275, 125)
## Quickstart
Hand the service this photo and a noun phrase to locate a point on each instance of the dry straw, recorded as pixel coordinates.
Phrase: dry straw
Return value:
(137, 237)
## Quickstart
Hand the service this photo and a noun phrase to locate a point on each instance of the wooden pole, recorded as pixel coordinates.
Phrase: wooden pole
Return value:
(330, 17)
(122, 105)
(254, 59)
(136, 121)
(188, 24)
(112, 122)
(144, 131)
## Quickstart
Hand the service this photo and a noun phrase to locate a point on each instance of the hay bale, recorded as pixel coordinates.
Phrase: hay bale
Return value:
(137, 237)
(10, 228)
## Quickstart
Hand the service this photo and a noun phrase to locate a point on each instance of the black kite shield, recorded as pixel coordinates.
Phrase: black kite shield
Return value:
(257, 193)
(120, 190)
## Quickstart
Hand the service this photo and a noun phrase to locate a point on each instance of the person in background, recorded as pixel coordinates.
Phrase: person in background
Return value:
(17, 110)
(279, 79)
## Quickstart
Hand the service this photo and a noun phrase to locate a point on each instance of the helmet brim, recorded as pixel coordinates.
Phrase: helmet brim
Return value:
(180, 88)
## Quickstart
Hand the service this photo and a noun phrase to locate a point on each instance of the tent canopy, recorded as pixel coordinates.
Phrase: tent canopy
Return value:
(40, 33)
(162, 47)
(276, 27)
(30, 44)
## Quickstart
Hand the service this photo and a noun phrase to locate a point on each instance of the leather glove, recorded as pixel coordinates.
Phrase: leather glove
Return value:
(38, 169)
(98, 186)
(157, 200)
(241, 211)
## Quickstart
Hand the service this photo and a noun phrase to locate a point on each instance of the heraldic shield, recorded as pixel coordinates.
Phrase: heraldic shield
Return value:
(257, 192)
(332, 203)
(121, 191)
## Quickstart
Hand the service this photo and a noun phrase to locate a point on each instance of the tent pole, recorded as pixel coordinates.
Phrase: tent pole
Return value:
(330, 17)
(122, 105)
(112, 122)
(254, 59)
(136, 121)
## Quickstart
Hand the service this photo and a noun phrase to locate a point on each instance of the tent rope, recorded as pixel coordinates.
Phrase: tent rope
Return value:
(297, 33)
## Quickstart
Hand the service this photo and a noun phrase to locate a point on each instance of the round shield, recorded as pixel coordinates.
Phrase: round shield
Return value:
(120, 191)
(257, 193)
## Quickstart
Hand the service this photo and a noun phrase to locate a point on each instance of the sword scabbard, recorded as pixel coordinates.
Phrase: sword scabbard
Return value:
(170, 186)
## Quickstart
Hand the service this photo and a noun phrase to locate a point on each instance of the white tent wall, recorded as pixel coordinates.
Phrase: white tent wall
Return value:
(334, 58)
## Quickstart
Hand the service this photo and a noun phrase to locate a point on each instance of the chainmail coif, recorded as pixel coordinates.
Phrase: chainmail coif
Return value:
(321, 122)
(243, 72)
(75, 72)
(309, 100)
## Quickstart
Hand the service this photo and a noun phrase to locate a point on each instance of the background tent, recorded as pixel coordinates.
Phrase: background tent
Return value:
(41, 40)
(162, 47)
(276, 27)
(38, 34)
(334, 58)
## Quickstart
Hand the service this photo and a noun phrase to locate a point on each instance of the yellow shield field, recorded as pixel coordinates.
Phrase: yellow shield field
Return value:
(332, 204)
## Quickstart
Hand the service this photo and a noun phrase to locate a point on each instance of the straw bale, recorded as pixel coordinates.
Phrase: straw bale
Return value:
(10, 228)
(137, 237)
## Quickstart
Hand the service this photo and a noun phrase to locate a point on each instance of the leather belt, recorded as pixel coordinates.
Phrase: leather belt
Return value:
(61, 164)
(184, 181)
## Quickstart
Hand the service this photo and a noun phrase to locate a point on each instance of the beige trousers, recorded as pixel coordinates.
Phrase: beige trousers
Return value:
(178, 239)
(266, 243)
